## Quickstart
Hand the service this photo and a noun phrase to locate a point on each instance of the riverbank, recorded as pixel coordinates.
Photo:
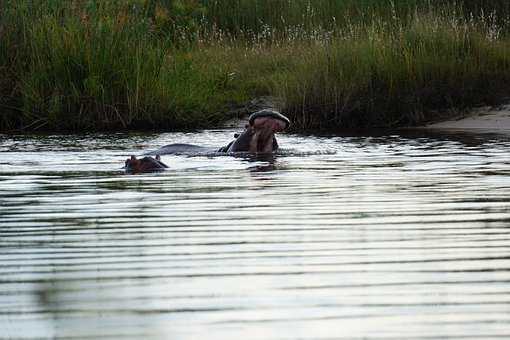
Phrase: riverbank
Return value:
(136, 64)
(484, 119)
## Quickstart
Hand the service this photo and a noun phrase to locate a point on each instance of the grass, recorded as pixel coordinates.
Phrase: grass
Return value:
(391, 78)
(103, 67)
(86, 65)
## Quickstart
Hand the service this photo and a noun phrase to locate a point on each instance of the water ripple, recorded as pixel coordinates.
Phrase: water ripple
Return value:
(385, 237)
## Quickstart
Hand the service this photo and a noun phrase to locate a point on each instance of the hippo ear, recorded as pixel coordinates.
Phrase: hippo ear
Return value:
(158, 158)
(133, 158)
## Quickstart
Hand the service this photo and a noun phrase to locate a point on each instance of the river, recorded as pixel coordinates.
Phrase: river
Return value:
(390, 236)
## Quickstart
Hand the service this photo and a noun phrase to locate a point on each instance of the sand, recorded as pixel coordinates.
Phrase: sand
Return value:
(486, 119)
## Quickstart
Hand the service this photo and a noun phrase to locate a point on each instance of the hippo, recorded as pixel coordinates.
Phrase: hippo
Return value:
(259, 135)
(146, 164)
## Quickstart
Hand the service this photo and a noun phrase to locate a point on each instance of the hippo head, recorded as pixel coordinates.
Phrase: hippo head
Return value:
(265, 124)
(146, 164)
(259, 136)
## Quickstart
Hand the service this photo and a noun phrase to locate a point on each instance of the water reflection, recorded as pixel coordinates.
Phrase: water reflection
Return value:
(390, 236)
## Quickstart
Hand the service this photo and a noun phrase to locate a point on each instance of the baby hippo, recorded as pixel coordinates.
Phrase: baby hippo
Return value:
(146, 164)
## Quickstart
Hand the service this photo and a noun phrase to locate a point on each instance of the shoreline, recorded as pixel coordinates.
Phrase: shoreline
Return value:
(487, 119)
(483, 120)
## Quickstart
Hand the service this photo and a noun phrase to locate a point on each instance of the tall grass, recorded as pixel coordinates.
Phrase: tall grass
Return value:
(101, 64)
(375, 76)
(136, 64)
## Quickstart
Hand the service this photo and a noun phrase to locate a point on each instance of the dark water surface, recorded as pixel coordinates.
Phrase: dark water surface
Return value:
(388, 237)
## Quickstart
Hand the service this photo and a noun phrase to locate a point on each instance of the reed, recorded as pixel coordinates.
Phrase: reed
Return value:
(379, 77)
(138, 64)
(102, 65)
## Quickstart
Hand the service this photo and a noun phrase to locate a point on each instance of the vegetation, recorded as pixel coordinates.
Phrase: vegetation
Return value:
(138, 64)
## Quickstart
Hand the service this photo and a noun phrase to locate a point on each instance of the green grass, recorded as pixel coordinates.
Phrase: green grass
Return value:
(103, 66)
(141, 64)
(383, 78)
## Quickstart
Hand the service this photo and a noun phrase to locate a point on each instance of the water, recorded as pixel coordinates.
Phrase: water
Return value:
(387, 237)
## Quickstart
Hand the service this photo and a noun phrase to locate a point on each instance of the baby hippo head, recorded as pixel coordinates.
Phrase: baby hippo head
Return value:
(146, 164)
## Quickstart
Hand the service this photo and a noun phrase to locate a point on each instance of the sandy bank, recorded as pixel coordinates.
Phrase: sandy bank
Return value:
(485, 119)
